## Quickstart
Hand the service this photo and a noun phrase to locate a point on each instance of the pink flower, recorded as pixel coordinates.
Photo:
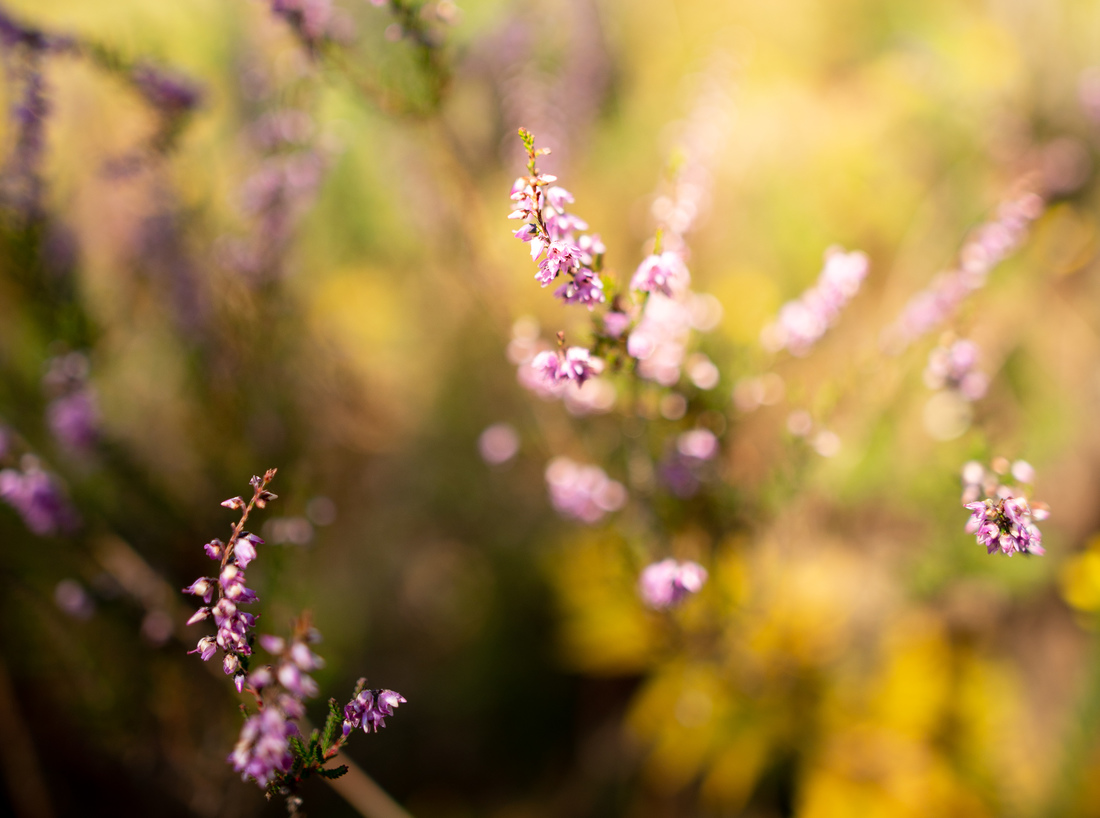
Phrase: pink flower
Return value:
(667, 583)
(582, 492)
(665, 274)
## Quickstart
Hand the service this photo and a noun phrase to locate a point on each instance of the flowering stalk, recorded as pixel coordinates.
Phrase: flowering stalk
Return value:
(648, 325)
(271, 749)
(801, 323)
(986, 246)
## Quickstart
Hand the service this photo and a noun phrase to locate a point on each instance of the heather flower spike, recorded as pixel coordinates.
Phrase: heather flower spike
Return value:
(552, 233)
(271, 749)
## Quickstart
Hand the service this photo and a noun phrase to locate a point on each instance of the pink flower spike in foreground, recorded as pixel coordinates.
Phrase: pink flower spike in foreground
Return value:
(667, 583)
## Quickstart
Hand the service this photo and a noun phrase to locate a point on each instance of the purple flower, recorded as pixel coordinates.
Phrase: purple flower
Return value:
(262, 750)
(369, 710)
(171, 94)
(1004, 521)
(616, 323)
(298, 683)
(37, 497)
(304, 658)
(955, 367)
(562, 226)
(667, 583)
(561, 257)
(665, 274)
(203, 587)
(659, 340)
(214, 549)
(275, 645)
(985, 247)
(575, 364)
(582, 492)
(206, 648)
(74, 420)
(244, 551)
(801, 323)
(232, 583)
(584, 288)
(700, 444)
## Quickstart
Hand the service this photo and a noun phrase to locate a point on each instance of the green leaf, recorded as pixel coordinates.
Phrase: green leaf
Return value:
(335, 772)
(332, 724)
(298, 747)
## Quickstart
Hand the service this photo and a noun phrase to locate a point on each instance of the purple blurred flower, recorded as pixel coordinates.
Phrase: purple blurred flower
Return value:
(74, 419)
(582, 492)
(985, 247)
(616, 323)
(801, 323)
(172, 94)
(660, 338)
(38, 498)
(263, 750)
(700, 444)
(955, 367)
(666, 274)
(666, 583)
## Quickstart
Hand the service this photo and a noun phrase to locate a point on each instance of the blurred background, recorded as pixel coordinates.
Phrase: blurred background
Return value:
(235, 239)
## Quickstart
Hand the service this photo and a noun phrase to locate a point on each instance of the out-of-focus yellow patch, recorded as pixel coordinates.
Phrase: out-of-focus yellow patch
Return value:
(868, 771)
(732, 775)
(801, 608)
(749, 300)
(679, 714)
(1081, 579)
(915, 685)
(604, 627)
(1065, 239)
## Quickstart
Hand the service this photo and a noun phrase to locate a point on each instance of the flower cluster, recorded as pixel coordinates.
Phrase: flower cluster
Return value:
(233, 636)
(552, 234)
(369, 708)
(73, 414)
(801, 323)
(582, 396)
(665, 273)
(575, 364)
(38, 498)
(667, 583)
(1004, 520)
(987, 245)
(660, 338)
(271, 750)
(953, 365)
(263, 748)
(581, 492)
